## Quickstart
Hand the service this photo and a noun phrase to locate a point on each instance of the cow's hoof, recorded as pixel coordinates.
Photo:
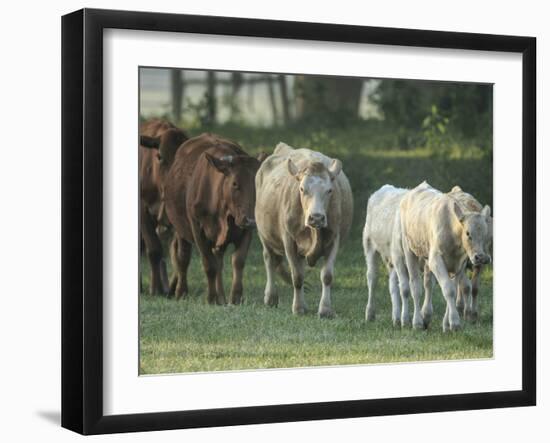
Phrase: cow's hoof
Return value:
(418, 322)
(271, 300)
(427, 317)
(299, 310)
(326, 313)
(235, 300)
(181, 296)
(451, 327)
(370, 315)
(396, 323)
(472, 316)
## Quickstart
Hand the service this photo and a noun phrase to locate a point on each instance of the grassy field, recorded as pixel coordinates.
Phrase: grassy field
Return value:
(190, 335)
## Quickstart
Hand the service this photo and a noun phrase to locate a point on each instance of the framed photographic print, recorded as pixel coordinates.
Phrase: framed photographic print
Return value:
(270, 221)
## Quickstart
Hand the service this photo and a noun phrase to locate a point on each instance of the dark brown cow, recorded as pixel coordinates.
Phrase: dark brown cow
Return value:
(159, 141)
(210, 197)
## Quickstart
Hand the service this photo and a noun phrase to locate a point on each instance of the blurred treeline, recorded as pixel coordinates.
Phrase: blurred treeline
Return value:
(400, 132)
(399, 114)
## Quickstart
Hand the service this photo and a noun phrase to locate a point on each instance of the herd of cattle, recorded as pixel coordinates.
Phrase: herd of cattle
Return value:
(208, 192)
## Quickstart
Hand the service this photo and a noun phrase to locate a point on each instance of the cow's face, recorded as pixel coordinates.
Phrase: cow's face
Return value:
(239, 189)
(316, 185)
(476, 234)
(166, 144)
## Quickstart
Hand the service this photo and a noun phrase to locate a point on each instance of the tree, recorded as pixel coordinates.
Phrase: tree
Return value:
(176, 87)
(327, 100)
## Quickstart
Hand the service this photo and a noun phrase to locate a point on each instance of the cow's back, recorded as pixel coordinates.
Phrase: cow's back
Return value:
(382, 208)
(421, 215)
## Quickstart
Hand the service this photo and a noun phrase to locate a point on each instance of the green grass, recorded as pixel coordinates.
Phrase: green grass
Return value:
(190, 335)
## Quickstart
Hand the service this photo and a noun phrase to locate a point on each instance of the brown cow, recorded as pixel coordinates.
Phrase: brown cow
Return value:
(210, 197)
(159, 141)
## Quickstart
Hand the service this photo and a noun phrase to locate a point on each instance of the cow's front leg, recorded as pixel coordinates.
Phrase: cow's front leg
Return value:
(220, 292)
(209, 263)
(238, 259)
(427, 307)
(372, 265)
(271, 260)
(327, 273)
(448, 287)
(465, 289)
(296, 264)
(415, 279)
(404, 288)
(474, 313)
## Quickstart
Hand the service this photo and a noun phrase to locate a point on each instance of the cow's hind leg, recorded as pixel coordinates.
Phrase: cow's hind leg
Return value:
(427, 307)
(238, 259)
(174, 260)
(181, 254)
(393, 282)
(372, 278)
(153, 246)
(413, 268)
(220, 292)
(327, 274)
(271, 261)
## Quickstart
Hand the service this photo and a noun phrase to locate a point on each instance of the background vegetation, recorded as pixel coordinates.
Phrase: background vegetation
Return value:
(385, 131)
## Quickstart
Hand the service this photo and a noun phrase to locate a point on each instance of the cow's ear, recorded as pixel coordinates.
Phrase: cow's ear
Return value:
(486, 211)
(292, 169)
(219, 164)
(335, 168)
(456, 189)
(262, 156)
(149, 142)
(458, 212)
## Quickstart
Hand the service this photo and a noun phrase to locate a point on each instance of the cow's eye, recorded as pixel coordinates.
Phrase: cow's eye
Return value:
(301, 189)
(329, 191)
(159, 157)
(235, 185)
(468, 234)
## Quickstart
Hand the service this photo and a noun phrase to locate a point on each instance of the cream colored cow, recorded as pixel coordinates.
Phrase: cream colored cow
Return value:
(304, 210)
(467, 289)
(437, 232)
(382, 237)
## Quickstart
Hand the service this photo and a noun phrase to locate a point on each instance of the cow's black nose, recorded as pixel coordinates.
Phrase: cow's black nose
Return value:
(316, 219)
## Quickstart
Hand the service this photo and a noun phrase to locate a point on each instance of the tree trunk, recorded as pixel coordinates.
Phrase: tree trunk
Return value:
(284, 99)
(271, 93)
(177, 94)
(211, 98)
(328, 97)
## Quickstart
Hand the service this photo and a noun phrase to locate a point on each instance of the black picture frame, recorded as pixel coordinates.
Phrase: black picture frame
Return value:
(82, 218)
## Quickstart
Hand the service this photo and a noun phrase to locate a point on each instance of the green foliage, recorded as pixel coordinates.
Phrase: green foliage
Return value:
(192, 336)
(468, 108)
(434, 128)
